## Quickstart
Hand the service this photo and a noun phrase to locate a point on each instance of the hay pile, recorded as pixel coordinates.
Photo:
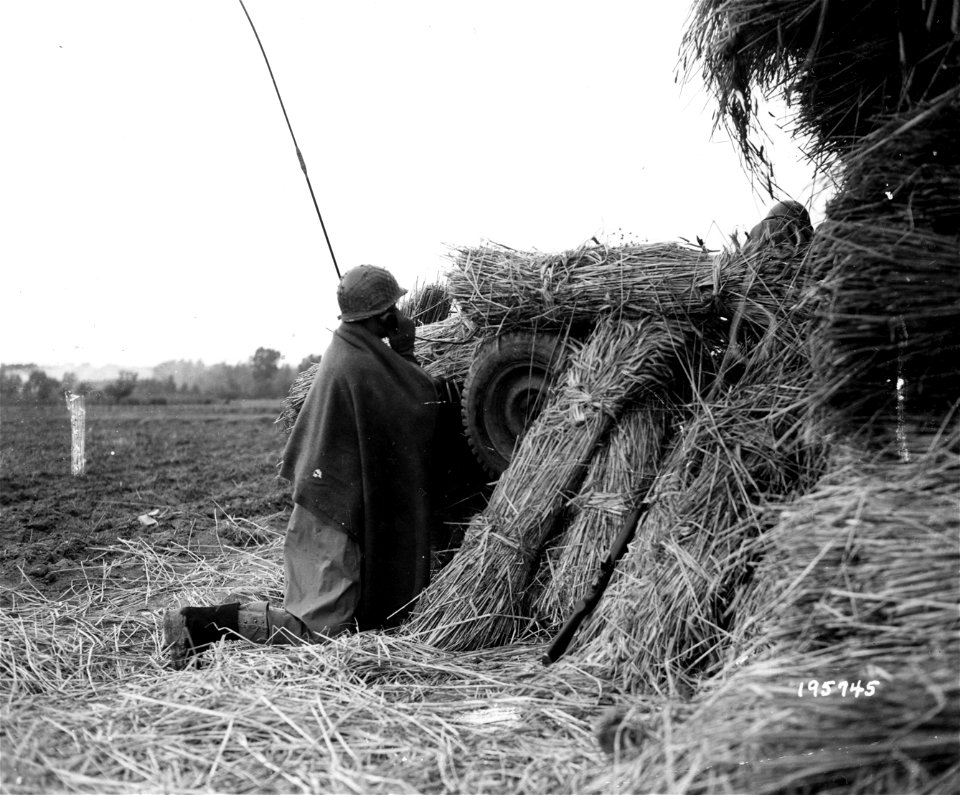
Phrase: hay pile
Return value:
(672, 611)
(731, 606)
(731, 371)
(842, 66)
(480, 598)
(875, 93)
(747, 397)
(858, 583)
(89, 707)
(890, 253)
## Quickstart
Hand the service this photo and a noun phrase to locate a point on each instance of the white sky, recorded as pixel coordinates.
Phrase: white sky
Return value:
(152, 207)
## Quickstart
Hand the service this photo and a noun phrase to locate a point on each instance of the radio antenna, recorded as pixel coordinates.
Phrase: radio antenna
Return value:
(303, 165)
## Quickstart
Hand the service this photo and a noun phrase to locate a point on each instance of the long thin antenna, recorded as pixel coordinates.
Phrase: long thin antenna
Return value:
(303, 165)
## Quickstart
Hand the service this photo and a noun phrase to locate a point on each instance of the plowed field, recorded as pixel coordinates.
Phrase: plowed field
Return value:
(200, 475)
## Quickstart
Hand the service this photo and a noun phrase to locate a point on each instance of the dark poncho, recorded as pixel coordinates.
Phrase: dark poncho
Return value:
(359, 458)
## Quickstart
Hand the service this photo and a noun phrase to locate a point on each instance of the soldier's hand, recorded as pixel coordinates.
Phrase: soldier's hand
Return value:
(402, 335)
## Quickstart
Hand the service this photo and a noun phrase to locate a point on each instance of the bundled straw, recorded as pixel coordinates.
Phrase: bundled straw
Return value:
(479, 598)
(426, 303)
(500, 287)
(620, 472)
(446, 349)
(293, 402)
(859, 584)
(891, 258)
(842, 66)
(669, 614)
(870, 556)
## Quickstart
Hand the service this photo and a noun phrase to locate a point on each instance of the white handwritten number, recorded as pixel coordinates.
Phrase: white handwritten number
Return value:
(824, 689)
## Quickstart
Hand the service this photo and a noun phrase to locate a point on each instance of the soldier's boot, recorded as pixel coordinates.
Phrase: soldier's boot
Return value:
(189, 631)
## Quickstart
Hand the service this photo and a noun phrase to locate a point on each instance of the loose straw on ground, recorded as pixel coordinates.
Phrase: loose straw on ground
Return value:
(87, 706)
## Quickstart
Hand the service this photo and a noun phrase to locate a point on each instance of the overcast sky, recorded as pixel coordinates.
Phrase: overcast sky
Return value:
(153, 207)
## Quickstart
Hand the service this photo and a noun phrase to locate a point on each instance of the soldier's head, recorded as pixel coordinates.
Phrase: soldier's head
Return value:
(367, 291)
(787, 222)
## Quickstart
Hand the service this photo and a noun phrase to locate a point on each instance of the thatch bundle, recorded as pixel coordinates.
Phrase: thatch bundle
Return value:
(426, 303)
(744, 373)
(890, 253)
(623, 469)
(843, 66)
(446, 349)
(859, 584)
(293, 402)
(480, 598)
(742, 439)
(671, 613)
(501, 288)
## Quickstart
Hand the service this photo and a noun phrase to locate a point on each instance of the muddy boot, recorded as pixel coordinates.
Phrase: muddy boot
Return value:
(259, 623)
(189, 631)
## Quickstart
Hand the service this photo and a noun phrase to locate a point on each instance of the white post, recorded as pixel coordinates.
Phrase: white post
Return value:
(78, 415)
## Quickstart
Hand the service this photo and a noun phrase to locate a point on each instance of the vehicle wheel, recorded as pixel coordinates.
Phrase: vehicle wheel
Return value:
(504, 391)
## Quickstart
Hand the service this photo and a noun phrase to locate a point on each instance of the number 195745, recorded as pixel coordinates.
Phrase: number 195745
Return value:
(831, 686)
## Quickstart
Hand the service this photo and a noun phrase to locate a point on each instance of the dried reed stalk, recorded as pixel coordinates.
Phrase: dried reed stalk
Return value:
(499, 287)
(426, 303)
(620, 473)
(480, 598)
(446, 349)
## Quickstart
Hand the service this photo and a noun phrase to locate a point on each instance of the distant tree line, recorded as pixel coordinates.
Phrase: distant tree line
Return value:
(262, 376)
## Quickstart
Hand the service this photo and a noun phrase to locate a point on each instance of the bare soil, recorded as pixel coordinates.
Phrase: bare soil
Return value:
(202, 475)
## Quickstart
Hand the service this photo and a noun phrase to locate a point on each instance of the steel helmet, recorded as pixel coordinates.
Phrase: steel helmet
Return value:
(366, 291)
(787, 221)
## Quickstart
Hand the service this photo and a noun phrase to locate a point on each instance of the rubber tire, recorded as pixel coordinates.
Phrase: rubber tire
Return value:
(503, 392)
